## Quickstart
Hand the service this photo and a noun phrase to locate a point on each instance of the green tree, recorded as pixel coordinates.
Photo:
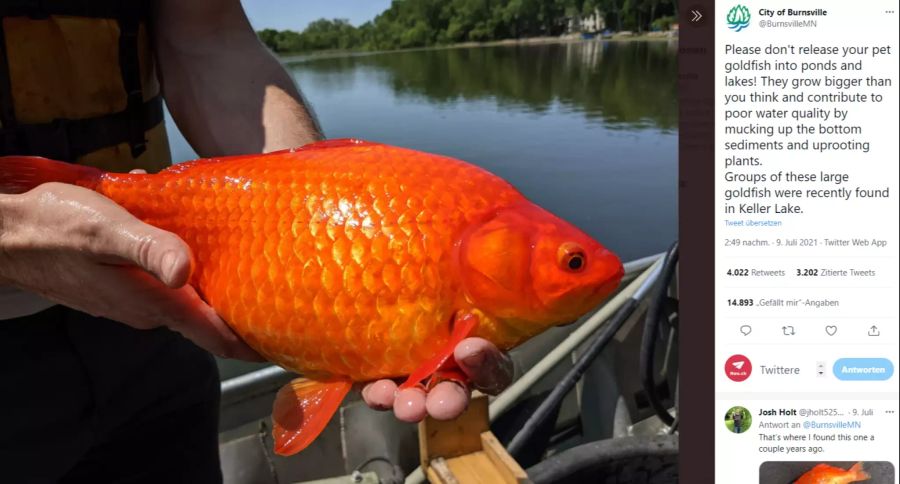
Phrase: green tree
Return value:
(267, 36)
(421, 23)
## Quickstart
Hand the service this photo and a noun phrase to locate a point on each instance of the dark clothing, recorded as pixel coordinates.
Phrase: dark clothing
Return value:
(738, 419)
(86, 399)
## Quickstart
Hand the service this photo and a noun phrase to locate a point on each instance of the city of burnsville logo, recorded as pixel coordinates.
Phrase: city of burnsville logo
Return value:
(738, 18)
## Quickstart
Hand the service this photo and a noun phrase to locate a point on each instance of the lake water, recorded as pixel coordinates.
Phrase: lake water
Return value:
(587, 130)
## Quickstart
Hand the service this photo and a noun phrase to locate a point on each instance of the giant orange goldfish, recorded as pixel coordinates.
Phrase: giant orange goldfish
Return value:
(349, 261)
(827, 474)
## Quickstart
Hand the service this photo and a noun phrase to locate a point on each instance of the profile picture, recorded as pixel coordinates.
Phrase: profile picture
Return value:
(738, 419)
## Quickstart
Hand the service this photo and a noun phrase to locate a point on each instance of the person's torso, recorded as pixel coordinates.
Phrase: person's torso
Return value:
(78, 83)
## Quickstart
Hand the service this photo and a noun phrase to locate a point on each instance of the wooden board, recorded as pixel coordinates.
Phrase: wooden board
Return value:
(464, 451)
(450, 438)
(511, 470)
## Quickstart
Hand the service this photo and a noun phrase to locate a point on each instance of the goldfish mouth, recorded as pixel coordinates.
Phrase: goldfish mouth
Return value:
(597, 297)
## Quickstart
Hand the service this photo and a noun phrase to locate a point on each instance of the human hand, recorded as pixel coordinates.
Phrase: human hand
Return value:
(488, 370)
(78, 248)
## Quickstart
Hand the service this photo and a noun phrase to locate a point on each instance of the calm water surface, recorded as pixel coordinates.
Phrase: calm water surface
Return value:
(587, 130)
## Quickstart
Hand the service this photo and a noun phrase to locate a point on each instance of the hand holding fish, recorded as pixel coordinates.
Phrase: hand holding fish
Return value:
(83, 228)
(73, 235)
(78, 248)
(486, 367)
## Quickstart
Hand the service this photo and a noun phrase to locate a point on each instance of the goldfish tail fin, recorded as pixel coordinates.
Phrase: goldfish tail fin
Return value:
(858, 473)
(462, 327)
(18, 174)
(301, 411)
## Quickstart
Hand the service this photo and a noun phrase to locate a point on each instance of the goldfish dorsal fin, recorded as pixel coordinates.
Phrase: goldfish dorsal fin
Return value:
(184, 166)
(462, 327)
(336, 143)
(187, 165)
(858, 473)
(301, 411)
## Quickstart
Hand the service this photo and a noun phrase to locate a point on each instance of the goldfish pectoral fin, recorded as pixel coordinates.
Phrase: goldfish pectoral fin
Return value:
(452, 374)
(463, 325)
(858, 473)
(301, 411)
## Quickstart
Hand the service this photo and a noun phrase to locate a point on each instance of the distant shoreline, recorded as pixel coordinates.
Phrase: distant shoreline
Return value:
(618, 37)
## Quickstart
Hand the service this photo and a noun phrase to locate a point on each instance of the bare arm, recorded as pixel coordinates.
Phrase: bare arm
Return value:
(225, 90)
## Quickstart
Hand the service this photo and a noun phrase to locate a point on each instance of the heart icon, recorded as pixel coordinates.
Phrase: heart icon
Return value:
(831, 329)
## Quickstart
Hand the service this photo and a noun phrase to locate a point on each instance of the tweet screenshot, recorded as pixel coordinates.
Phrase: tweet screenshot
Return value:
(450, 241)
(806, 240)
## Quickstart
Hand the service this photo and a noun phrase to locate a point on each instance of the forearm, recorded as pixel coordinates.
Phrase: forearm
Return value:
(225, 90)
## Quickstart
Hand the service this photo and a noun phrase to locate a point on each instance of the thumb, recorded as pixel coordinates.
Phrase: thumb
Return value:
(164, 255)
(488, 369)
(161, 253)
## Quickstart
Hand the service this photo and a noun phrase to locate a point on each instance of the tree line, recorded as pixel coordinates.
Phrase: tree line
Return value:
(423, 23)
(628, 83)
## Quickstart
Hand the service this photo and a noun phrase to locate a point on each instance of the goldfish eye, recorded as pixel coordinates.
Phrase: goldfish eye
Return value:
(576, 262)
(571, 257)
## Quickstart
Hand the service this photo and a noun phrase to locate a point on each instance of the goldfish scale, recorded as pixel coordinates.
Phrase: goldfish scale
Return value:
(327, 261)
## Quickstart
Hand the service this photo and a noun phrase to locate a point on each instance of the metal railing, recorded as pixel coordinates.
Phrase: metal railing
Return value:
(248, 397)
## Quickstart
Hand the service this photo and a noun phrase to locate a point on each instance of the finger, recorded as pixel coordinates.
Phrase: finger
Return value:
(137, 299)
(409, 405)
(138, 171)
(199, 323)
(163, 254)
(379, 395)
(488, 369)
(447, 400)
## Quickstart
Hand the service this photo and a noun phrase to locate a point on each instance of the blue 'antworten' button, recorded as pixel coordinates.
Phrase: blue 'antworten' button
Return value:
(863, 369)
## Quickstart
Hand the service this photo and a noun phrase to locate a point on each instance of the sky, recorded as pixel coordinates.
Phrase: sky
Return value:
(296, 14)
